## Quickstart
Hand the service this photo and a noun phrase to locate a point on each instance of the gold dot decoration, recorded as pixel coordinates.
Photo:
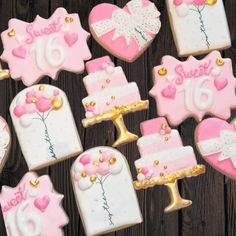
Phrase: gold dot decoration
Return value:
(101, 159)
(34, 100)
(162, 71)
(108, 81)
(57, 103)
(161, 174)
(164, 126)
(112, 161)
(220, 62)
(41, 88)
(69, 19)
(34, 183)
(139, 170)
(166, 139)
(83, 175)
(156, 162)
(137, 185)
(93, 179)
(92, 104)
(211, 2)
(95, 163)
(165, 167)
(11, 33)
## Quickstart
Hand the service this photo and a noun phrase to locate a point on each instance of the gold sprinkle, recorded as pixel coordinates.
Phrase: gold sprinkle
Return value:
(108, 81)
(34, 183)
(93, 179)
(139, 170)
(162, 71)
(92, 104)
(137, 185)
(103, 87)
(161, 174)
(165, 167)
(113, 97)
(95, 163)
(220, 62)
(41, 88)
(83, 175)
(112, 161)
(164, 126)
(107, 103)
(211, 2)
(69, 19)
(11, 33)
(166, 139)
(156, 162)
(101, 159)
(57, 103)
(34, 100)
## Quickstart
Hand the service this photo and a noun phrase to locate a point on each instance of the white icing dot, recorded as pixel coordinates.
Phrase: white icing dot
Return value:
(116, 168)
(89, 114)
(216, 71)
(26, 120)
(78, 167)
(85, 183)
(110, 69)
(141, 177)
(182, 10)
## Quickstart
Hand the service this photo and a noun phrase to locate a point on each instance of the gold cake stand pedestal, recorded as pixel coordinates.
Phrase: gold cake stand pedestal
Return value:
(171, 182)
(4, 74)
(116, 115)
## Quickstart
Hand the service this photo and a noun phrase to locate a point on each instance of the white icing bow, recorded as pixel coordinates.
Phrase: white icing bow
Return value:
(225, 144)
(138, 24)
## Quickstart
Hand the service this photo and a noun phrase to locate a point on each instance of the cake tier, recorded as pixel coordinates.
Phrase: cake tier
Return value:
(110, 98)
(156, 142)
(103, 79)
(165, 162)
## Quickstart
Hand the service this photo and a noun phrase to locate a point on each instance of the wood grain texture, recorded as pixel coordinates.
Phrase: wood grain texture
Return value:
(213, 211)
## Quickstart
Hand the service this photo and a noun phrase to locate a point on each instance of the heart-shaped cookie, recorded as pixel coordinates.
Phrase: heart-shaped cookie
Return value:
(5, 142)
(216, 141)
(125, 32)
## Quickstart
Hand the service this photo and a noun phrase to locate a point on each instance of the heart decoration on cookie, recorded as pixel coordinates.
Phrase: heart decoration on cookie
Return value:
(216, 141)
(125, 32)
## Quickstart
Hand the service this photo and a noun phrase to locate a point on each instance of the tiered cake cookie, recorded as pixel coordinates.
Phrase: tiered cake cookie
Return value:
(198, 26)
(45, 126)
(164, 160)
(33, 208)
(110, 97)
(104, 192)
(5, 142)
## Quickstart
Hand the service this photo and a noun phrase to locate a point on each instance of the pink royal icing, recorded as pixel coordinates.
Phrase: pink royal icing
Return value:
(47, 45)
(216, 141)
(125, 32)
(33, 207)
(194, 88)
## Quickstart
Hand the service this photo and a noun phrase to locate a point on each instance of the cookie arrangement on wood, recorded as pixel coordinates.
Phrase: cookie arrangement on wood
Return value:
(100, 176)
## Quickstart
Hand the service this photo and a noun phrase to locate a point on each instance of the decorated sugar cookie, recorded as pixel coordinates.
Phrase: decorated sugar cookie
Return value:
(216, 141)
(45, 46)
(125, 32)
(104, 193)
(164, 160)
(198, 26)
(5, 142)
(33, 208)
(45, 126)
(194, 88)
(110, 96)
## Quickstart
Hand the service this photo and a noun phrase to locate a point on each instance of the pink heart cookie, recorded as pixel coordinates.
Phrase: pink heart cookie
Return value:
(45, 47)
(216, 141)
(125, 32)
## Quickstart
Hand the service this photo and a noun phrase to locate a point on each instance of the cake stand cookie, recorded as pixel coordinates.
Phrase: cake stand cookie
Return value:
(164, 160)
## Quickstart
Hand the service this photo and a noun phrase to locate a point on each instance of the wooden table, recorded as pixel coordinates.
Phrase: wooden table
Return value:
(214, 196)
